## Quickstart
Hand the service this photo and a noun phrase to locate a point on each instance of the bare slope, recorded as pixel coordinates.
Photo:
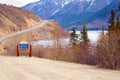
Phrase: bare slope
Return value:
(22, 31)
(14, 19)
(24, 68)
(46, 29)
(18, 24)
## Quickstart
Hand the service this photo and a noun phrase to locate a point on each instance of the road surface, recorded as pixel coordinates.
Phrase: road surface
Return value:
(32, 68)
(23, 31)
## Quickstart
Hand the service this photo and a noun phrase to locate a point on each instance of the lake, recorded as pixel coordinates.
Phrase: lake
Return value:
(92, 35)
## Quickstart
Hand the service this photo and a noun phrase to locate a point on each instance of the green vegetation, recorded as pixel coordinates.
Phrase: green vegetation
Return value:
(84, 35)
(73, 36)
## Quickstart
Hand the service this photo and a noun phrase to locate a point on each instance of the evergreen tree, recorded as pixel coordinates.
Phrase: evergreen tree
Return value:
(111, 27)
(73, 36)
(118, 24)
(84, 35)
(102, 30)
(118, 19)
(85, 44)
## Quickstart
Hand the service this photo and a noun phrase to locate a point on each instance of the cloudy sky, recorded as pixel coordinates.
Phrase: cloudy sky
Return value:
(17, 3)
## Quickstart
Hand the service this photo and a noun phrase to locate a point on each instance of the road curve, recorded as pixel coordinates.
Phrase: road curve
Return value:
(25, 68)
(20, 32)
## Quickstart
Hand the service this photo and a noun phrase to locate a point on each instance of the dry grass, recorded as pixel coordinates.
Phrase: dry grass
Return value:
(69, 53)
(2, 50)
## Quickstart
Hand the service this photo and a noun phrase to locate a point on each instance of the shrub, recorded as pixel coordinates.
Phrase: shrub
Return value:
(108, 52)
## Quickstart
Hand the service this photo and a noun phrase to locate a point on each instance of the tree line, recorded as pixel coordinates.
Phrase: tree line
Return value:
(107, 52)
(108, 46)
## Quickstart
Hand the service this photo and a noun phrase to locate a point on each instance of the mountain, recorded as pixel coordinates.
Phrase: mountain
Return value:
(68, 12)
(102, 17)
(14, 19)
(46, 8)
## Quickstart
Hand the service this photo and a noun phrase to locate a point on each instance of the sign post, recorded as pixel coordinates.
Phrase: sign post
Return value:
(23, 46)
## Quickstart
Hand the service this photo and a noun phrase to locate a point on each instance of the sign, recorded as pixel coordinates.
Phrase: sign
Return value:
(24, 46)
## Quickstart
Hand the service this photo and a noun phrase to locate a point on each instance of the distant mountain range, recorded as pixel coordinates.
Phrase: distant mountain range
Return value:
(94, 13)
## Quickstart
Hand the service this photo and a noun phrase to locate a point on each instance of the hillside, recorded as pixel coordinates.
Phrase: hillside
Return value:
(13, 19)
(45, 30)
(18, 24)
(25, 68)
(102, 17)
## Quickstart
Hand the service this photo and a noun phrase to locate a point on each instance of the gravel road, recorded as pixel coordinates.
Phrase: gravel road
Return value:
(32, 68)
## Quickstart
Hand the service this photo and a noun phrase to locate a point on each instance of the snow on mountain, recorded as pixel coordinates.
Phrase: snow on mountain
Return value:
(68, 12)
(50, 6)
(46, 7)
(60, 3)
(55, 12)
(92, 2)
(96, 5)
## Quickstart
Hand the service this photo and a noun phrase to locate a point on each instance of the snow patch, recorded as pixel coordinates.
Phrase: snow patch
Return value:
(66, 2)
(40, 3)
(92, 2)
(55, 12)
(56, 3)
(63, 5)
(32, 5)
(108, 2)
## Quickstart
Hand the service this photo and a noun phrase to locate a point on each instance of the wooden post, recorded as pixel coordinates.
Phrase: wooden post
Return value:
(17, 50)
(30, 52)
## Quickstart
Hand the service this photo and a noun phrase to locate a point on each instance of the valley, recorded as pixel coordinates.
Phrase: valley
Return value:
(60, 40)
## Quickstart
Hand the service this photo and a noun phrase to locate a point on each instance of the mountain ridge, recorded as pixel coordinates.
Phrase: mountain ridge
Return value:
(71, 12)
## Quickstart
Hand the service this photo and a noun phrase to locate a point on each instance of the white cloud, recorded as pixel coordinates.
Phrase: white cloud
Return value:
(17, 3)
